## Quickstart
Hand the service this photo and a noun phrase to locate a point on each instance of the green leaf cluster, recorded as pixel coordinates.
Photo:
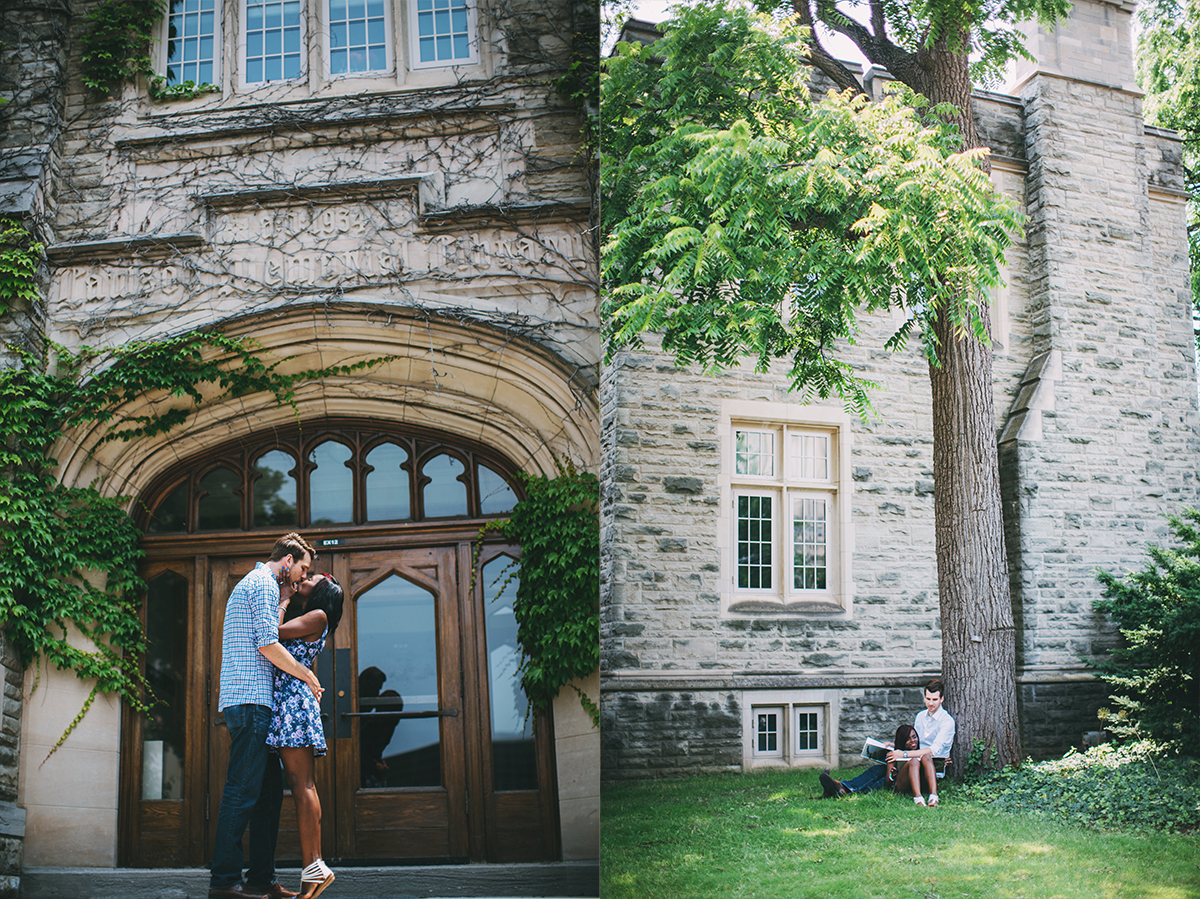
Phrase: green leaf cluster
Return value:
(556, 605)
(116, 42)
(19, 259)
(744, 220)
(185, 90)
(1137, 786)
(69, 555)
(1156, 674)
(1168, 67)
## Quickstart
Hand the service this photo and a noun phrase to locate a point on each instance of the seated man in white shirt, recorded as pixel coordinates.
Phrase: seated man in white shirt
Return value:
(935, 728)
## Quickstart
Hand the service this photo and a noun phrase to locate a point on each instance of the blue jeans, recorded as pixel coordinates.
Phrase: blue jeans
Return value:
(253, 795)
(871, 779)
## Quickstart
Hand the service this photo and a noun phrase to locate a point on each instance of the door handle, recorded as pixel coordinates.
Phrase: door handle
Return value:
(435, 713)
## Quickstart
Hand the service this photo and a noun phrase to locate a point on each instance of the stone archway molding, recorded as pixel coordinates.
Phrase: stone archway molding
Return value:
(457, 376)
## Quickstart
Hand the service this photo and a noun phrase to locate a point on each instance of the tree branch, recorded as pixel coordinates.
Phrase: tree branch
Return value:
(822, 59)
(875, 45)
(878, 21)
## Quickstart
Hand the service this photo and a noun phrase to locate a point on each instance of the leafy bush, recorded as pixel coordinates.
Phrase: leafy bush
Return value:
(1113, 787)
(1156, 674)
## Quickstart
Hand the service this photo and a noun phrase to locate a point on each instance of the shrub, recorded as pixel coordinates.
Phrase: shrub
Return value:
(1156, 674)
(1136, 786)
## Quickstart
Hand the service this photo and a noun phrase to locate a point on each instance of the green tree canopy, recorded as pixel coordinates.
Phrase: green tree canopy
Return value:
(742, 218)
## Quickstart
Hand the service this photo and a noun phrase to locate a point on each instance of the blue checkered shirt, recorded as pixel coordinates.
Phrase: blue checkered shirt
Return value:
(251, 621)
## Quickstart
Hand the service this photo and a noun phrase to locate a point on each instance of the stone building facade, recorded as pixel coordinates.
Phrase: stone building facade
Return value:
(395, 179)
(717, 656)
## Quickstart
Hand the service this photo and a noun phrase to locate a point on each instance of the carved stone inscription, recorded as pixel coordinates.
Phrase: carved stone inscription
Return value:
(312, 248)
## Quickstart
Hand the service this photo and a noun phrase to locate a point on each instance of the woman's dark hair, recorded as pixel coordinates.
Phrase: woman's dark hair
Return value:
(327, 596)
(902, 732)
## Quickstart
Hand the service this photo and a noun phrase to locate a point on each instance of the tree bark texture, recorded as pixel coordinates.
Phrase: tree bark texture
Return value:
(978, 634)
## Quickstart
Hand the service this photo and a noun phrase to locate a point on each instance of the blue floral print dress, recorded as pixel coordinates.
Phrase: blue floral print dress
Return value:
(297, 714)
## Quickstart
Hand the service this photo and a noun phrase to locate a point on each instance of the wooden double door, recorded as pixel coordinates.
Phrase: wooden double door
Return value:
(432, 756)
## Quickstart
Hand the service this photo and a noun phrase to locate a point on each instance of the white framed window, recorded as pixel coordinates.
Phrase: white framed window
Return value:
(360, 37)
(442, 33)
(787, 486)
(275, 44)
(768, 732)
(809, 730)
(193, 42)
(789, 728)
(787, 479)
(271, 40)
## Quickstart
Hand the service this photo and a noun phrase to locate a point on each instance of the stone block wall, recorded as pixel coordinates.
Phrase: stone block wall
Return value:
(1096, 411)
(666, 733)
(12, 818)
(33, 63)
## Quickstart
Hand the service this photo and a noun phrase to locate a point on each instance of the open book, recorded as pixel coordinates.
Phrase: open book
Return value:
(878, 752)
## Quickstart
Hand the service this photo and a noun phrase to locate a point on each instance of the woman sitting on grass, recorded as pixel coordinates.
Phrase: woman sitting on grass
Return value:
(908, 766)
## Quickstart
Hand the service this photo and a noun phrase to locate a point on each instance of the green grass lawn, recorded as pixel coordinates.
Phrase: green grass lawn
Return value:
(766, 835)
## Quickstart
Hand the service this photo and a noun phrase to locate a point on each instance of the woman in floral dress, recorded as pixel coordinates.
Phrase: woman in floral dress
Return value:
(296, 732)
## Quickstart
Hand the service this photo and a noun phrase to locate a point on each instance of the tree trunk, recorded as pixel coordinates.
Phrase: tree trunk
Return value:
(978, 636)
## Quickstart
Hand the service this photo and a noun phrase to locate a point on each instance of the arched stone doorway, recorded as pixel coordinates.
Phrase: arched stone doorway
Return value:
(430, 754)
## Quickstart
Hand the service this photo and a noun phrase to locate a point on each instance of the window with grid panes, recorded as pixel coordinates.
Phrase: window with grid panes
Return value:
(443, 33)
(808, 730)
(785, 502)
(193, 51)
(274, 41)
(354, 37)
(768, 739)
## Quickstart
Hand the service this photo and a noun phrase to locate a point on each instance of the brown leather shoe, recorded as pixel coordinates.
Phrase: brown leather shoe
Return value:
(278, 891)
(237, 891)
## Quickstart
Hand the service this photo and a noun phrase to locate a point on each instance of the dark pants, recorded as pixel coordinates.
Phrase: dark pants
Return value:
(871, 779)
(253, 796)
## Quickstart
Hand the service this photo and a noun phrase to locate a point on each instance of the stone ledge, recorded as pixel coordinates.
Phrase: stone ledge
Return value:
(149, 246)
(270, 195)
(493, 214)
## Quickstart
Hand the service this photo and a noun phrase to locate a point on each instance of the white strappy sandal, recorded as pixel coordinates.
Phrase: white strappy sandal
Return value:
(317, 873)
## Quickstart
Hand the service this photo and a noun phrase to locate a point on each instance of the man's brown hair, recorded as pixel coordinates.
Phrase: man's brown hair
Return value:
(292, 545)
(936, 686)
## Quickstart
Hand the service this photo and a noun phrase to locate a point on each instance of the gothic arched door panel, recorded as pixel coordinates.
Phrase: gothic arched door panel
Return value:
(431, 752)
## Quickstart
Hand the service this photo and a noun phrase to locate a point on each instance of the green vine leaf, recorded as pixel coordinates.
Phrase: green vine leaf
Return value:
(116, 42)
(19, 259)
(69, 556)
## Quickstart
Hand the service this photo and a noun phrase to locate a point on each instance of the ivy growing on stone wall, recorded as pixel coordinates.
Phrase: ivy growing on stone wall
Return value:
(581, 82)
(556, 606)
(116, 41)
(69, 555)
(19, 255)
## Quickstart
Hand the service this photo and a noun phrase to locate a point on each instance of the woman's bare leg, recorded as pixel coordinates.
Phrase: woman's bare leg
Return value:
(929, 773)
(298, 765)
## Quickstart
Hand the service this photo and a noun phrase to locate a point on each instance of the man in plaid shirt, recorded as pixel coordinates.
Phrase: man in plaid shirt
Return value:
(250, 653)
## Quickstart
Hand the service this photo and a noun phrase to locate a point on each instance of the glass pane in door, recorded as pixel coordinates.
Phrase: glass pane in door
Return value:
(275, 490)
(445, 492)
(398, 671)
(331, 484)
(166, 665)
(220, 506)
(514, 765)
